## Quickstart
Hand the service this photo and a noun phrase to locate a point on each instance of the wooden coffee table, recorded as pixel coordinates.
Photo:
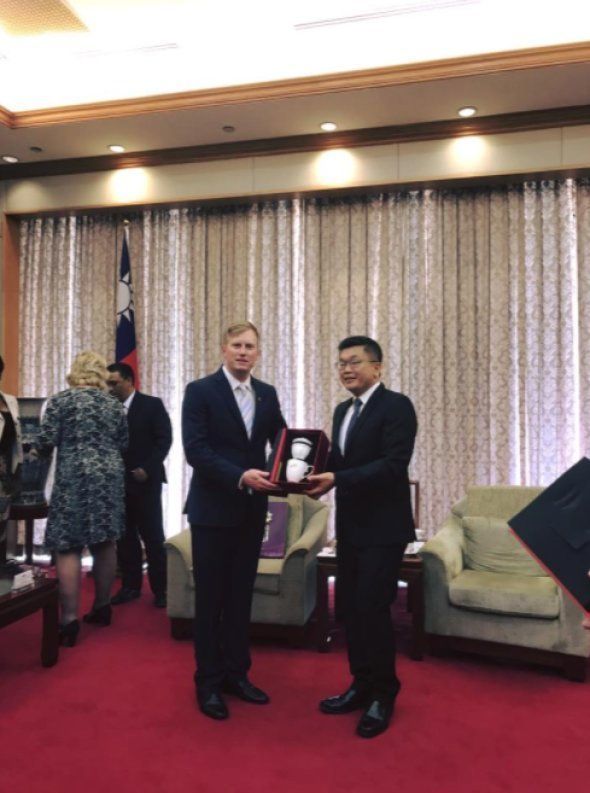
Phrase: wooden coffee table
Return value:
(42, 594)
(410, 572)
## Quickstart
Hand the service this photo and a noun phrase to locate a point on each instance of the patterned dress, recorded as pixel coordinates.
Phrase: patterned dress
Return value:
(89, 429)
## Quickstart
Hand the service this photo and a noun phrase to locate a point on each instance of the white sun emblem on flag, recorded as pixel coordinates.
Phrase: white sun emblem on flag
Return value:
(125, 306)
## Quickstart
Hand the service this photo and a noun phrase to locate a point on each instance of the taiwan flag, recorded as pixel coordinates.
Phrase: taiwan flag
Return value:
(126, 348)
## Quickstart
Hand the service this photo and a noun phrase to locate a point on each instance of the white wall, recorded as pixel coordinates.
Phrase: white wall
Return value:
(519, 152)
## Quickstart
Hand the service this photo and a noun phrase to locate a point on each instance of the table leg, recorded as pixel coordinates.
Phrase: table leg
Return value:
(29, 527)
(50, 640)
(3, 540)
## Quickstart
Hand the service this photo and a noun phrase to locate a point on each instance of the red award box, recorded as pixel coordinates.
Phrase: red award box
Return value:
(283, 452)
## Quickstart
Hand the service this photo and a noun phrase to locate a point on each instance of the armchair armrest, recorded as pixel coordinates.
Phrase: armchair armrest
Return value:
(313, 535)
(445, 550)
(182, 544)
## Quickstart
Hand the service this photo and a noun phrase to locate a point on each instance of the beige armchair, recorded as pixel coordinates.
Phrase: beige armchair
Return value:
(485, 594)
(284, 590)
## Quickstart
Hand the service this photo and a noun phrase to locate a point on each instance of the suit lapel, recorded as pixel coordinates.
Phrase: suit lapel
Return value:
(228, 397)
(134, 407)
(369, 408)
(259, 400)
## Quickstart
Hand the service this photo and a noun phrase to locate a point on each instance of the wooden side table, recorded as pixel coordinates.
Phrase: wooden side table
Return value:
(411, 572)
(43, 594)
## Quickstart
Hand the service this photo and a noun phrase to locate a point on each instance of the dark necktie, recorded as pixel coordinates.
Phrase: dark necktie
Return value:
(357, 405)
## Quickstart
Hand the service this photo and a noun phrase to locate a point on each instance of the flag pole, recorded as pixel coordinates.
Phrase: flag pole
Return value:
(126, 346)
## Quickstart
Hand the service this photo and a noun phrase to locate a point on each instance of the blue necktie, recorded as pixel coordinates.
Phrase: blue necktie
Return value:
(357, 405)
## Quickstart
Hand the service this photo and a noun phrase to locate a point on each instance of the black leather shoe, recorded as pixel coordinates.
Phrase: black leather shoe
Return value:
(353, 699)
(246, 691)
(68, 634)
(212, 705)
(125, 596)
(101, 616)
(160, 601)
(375, 719)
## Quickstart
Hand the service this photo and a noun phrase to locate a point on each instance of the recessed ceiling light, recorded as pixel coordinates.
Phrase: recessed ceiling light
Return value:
(466, 112)
(9, 158)
(328, 126)
(35, 149)
(116, 148)
(228, 128)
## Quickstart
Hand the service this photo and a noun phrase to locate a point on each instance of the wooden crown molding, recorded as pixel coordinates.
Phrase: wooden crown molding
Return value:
(373, 136)
(6, 117)
(425, 71)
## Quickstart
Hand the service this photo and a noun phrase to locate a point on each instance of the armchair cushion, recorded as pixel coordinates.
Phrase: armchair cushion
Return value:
(295, 525)
(505, 593)
(491, 547)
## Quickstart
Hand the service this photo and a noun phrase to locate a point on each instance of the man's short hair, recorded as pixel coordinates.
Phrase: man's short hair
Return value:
(237, 329)
(370, 346)
(124, 370)
(1, 365)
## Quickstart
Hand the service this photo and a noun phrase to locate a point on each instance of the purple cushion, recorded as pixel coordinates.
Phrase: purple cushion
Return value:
(275, 531)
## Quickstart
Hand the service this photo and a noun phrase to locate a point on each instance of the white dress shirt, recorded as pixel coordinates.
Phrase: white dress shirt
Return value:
(364, 398)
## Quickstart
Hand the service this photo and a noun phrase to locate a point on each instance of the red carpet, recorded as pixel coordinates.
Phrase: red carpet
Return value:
(117, 713)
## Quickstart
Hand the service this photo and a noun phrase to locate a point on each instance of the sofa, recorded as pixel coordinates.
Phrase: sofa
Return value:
(285, 588)
(485, 594)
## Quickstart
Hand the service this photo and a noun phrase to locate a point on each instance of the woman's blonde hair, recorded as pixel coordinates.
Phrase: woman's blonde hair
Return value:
(88, 369)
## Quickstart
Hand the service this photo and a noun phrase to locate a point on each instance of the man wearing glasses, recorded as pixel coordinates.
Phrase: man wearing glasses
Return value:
(372, 443)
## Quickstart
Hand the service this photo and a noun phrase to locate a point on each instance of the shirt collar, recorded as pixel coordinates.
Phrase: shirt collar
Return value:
(234, 382)
(369, 393)
(128, 401)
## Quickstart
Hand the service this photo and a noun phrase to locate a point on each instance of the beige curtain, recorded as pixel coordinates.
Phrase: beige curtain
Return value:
(480, 299)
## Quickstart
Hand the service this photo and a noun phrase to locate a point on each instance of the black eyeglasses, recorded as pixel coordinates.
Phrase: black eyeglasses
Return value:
(354, 364)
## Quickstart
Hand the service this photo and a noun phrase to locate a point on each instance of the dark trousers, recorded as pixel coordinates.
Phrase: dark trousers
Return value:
(225, 560)
(143, 521)
(366, 589)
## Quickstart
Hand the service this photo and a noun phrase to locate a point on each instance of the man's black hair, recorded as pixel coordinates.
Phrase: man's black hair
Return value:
(124, 370)
(370, 346)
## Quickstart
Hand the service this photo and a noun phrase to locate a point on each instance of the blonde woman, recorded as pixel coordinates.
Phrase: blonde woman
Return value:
(11, 452)
(88, 427)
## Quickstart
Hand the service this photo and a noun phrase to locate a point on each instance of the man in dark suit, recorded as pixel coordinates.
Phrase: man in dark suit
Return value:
(372, 442)
(228, 418)
(150, 438)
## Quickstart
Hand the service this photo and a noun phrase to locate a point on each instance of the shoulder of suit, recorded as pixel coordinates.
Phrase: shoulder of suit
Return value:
(260, 385)
(146, 397)
(397, 398)
(207, 380)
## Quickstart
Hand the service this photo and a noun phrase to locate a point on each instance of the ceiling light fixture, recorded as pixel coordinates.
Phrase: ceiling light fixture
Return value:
(328, 126)
(9, 158)
(35, 149)
(116, 148)
(466, 112)
(228, 128)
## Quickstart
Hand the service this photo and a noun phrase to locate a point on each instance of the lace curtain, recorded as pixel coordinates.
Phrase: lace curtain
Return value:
(480, 299)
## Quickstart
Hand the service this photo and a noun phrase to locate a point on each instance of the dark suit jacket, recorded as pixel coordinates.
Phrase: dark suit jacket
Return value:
(217, 446)
(373, 505)
(150, 438)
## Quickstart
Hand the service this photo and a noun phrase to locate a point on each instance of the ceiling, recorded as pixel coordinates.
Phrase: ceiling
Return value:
(77, 76)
